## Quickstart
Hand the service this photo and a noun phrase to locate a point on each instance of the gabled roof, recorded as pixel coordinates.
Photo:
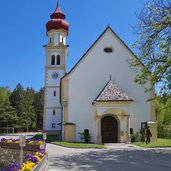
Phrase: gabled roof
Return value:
(112, 92)
(121, 41)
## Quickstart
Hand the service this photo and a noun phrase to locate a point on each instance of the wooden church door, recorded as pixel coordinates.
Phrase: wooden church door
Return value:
(109, 130)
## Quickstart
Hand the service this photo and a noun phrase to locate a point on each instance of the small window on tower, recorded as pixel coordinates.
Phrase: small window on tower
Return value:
(58, 60)
(53, 125)
(50, 40)
(62, 40)
(53, 60)
(54, 93)
(53, 112)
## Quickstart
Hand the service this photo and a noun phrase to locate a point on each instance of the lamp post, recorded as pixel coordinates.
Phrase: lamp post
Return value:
(44, 139)
(22, 144)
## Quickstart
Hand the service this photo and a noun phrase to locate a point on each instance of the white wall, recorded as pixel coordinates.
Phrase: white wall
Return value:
(90, 77)
(53, 101)
(50, 118)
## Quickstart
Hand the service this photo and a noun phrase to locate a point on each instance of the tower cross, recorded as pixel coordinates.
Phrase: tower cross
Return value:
(110, 77)
(58, 3)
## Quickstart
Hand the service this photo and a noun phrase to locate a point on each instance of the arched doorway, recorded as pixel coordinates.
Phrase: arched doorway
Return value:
(109, 129)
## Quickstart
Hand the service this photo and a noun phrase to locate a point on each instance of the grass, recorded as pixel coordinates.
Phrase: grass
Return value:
(159, 143)
(50, 138)
(78, 145)
(53, 140)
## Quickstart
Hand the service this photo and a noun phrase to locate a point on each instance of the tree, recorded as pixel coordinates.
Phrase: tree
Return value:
(16, 99)
(8, 115)
(21, 108)
(22, 101)
(38, 106)
(154, 46)
(3, 96)
(28, 116)
(163, 111)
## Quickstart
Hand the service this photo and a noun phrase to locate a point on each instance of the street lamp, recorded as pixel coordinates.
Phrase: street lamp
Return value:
(22, 144)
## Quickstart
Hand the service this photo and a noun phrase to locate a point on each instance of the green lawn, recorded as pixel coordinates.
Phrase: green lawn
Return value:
(78, 145)
(158, 143)
(53, 140)
(50, 138)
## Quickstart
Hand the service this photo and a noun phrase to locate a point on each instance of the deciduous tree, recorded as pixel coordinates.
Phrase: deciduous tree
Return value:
(153, 46)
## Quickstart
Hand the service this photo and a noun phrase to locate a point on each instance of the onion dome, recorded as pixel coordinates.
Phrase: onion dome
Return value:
(57, 20)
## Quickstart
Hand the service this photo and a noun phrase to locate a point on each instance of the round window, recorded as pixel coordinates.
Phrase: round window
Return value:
(108, 50)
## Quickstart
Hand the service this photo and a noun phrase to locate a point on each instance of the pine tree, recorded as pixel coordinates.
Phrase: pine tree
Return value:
(28, 117)
(38, 105)
(16, 99)
(8, 115)
(3, 97)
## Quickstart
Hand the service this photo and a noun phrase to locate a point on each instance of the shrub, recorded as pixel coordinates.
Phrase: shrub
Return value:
(85, 136)
(142, 135)
(135, 137)
(164, 131)
(138, 136)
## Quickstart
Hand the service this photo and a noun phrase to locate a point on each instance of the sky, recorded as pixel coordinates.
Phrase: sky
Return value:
(23, 33)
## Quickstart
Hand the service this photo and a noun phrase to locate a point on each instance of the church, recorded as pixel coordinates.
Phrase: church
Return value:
(98, 94)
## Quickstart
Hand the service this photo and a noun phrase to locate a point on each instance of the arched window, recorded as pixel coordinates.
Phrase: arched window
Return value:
(58, 60)
(53, 60)
(62, 40)
(50, 40)
(54, 93)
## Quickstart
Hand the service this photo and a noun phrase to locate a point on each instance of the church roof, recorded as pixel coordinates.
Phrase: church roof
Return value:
(57, 20)
(116, 36)
(112, 92)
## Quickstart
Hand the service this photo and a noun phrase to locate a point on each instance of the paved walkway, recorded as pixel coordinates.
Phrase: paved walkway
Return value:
(118, 157)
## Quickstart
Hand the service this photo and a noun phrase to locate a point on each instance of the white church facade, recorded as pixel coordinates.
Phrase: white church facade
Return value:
(98, 94)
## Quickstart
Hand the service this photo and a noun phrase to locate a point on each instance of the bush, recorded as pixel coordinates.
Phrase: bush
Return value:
(135, 137)
(142, 135)
(164, 131)
(85, 136)
(138, 136)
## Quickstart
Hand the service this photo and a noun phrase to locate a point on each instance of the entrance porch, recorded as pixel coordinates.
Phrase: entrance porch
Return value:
(113, 124)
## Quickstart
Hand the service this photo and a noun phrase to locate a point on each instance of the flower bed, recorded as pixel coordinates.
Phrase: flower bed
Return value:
(43, 165)
(31, 162)
(28, 141)
(36, 161)
(31, 144)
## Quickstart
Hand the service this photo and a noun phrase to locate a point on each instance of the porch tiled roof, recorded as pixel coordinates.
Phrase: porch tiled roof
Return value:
(112, 92)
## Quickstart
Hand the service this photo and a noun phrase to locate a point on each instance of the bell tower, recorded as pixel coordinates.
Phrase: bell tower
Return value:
(56, 52)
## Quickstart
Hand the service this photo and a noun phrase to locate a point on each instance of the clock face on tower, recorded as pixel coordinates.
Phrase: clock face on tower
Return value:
(55, 75)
